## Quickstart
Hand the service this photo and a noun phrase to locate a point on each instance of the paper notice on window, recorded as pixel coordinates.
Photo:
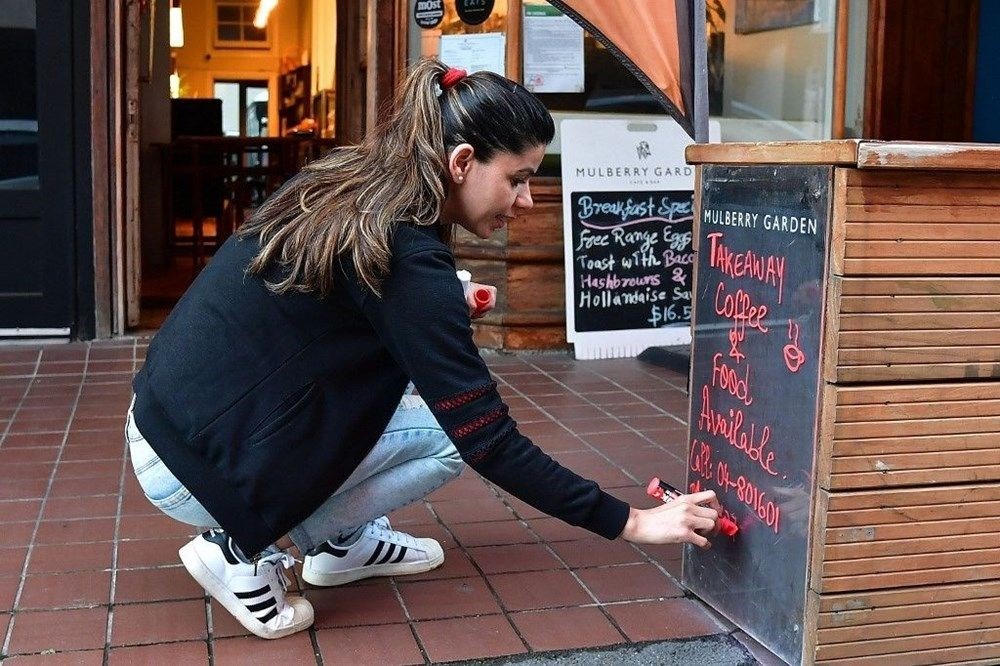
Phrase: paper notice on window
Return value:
(475, 53)
(553, 51)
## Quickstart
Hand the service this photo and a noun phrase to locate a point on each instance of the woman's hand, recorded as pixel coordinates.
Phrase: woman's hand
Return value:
(478, 309)
(685, 519)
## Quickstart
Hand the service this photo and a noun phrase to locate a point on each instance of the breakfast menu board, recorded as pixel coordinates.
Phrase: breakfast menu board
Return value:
(762, 235)
(627, 210)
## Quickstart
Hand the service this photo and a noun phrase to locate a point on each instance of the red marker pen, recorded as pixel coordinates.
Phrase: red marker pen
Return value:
(665, 492)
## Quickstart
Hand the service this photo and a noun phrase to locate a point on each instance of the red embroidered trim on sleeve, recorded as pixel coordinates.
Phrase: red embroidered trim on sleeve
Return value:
(459, 399)
(481, 421)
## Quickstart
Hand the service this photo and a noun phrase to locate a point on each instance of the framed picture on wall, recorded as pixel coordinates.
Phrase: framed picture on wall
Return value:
(761, 15)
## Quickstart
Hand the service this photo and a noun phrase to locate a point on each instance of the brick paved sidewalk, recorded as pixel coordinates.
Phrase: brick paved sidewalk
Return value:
(89, 572)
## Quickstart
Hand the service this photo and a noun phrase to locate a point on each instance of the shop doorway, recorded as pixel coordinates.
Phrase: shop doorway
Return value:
(37, 287)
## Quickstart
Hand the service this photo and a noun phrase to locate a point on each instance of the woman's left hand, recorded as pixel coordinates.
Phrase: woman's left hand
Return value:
(477, 308)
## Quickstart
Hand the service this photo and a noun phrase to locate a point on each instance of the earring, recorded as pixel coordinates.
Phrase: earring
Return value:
(460, 179)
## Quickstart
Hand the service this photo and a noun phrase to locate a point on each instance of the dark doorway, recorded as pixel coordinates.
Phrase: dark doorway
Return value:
(921, 70)
(37, 227)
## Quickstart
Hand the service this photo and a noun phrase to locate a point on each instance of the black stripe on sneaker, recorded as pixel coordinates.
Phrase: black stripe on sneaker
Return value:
(256, 608)
(378, 551)
(266, 618)
(219, 538)
(254, 593)
(388, 554)
(329, 548)
(399, 558)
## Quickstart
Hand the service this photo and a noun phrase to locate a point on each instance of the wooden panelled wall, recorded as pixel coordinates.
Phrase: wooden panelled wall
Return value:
(906, 558)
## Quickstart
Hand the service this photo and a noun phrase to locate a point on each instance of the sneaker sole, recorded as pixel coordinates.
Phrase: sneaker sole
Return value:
(218, 591)
(351, 575)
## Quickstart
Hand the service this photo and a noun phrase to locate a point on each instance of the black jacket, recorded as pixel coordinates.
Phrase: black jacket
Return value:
(262, 405)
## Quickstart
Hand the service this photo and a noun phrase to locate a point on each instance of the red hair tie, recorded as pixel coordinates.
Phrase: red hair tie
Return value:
(452, 76)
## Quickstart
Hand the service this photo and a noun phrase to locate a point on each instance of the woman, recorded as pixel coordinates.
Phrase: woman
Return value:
(271, 404)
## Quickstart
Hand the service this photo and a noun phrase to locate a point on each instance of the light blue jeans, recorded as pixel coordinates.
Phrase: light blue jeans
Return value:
(411, 459)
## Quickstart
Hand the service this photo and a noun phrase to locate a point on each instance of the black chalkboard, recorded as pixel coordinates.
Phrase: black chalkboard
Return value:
(632, 259)
(762, 247)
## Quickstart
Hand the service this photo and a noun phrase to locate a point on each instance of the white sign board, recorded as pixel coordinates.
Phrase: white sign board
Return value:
(628, 206)
(475, 53)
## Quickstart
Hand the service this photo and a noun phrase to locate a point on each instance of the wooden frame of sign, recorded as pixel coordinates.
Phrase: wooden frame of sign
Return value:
(902, 559)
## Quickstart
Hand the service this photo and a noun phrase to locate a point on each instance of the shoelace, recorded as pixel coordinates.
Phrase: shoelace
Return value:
(379, 531)
(281, 561)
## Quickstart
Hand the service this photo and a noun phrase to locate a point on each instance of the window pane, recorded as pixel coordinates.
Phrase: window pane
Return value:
(249, 12)
(229, 32)
(18, 105)
(252, 34)
(228, 14)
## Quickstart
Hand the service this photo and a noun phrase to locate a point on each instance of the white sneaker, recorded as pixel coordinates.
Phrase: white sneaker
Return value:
(381, 551)
(253, 593)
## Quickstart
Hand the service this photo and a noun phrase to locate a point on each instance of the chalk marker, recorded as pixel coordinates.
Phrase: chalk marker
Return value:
(665, 492)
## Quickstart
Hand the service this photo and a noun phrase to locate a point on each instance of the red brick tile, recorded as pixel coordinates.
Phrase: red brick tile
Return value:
(95, 437)
(26, 454)
(415, 513)
(107, 485)
(23, 488)
(448, 598)
(155, 585)
(468, 638)
(134, 624)
(356, 605)
(632, 581)
(189, 652)
(597, 552)
(456, 565)
(75, 658)
(517, 557)
(100, 506)
(465, 488)
(155, 527)
(88, 469)
(109, 423)
(32, 440)
(86, 530)
(472, 511)
(600, 424)
(77, 557)
(492, 534)
(74, 590)
(19, 510)
(110, 450)
(12, 561)
(148, 553)
(225, 625)
(8, 588)
(539, 589)
(294, 649)
(77, 630)
(666, 619)
(566, 628)
(14, 535)
(383, 644)
(615, 441)
(553, 529)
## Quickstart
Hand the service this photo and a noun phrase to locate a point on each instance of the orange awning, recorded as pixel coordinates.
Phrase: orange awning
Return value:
(659, 43)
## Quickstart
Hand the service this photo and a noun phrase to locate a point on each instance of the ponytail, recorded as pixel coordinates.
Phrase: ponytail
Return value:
(350, 201)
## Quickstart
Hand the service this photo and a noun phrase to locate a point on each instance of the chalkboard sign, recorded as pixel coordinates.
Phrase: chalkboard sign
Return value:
(762, 247)
(632, 259)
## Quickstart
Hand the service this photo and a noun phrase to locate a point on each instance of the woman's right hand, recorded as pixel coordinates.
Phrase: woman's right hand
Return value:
(682, 520)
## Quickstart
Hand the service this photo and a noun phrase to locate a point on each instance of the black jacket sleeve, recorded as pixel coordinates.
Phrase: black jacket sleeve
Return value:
(424, 322)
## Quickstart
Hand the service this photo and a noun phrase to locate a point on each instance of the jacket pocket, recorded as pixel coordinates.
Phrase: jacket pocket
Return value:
(285, 413)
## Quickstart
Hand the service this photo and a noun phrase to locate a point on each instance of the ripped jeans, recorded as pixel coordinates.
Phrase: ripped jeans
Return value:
(411, 459)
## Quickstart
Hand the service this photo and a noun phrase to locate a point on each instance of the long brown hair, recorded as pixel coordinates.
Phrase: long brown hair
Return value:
(349, 202)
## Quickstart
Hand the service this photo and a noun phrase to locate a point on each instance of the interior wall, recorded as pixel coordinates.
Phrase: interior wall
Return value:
(324, 44)
(200, 63)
